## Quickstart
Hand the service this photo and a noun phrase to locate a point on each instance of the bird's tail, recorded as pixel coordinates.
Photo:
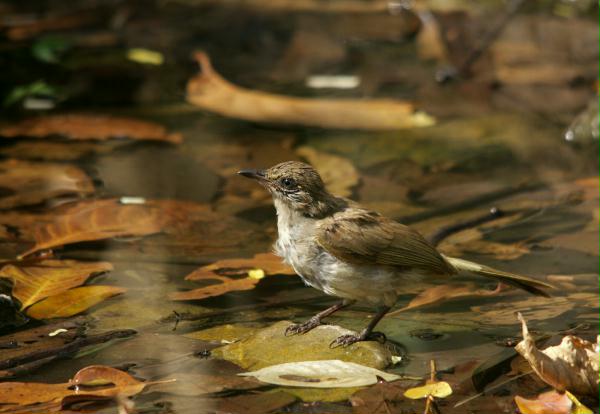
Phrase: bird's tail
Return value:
(523, 282)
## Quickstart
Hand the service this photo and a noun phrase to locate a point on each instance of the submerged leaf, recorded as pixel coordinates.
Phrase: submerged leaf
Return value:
(96, 127)
(321, 374)
(255, 269)
(210, 91)
(34, 282)
(34, 182)
(72, 301)
(91, 220)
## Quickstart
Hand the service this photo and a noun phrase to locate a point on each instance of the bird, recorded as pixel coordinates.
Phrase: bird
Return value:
(353, 253)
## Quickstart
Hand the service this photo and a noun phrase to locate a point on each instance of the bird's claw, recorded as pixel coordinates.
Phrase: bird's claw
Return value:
(347, 340)
(344, 341)
(301, 328)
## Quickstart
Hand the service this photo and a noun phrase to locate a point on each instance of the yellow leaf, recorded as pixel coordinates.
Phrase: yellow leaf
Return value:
(72, 301)
(145, 56)
(256, 274)
(579, 407)
(36, 281)
(436, 389)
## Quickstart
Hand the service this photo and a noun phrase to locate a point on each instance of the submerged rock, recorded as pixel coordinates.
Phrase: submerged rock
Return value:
(269, 346)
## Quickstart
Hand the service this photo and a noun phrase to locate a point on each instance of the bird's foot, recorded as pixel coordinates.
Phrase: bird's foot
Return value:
(301, 328)
(346, 340)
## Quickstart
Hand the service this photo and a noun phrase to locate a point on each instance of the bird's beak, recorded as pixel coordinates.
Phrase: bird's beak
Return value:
(254, 174)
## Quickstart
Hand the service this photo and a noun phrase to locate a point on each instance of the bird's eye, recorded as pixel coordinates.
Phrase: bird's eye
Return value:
(288, 182)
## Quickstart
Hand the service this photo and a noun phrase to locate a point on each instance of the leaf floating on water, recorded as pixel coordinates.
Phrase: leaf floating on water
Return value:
(93, 126)
(572, 365)
(210, 91)
(145, 56)
(72, 301)
(321, 374)
(91, 220)
(33, 182)
(34, 282)
(438, 389)
(338, 173)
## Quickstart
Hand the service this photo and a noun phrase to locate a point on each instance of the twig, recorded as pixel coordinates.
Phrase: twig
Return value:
(60, 351)
(466, 400)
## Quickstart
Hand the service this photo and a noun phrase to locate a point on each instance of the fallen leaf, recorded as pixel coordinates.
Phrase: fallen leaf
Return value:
(90, 220)
(95, 127)
(39, 280)
(72, 302)
(267, 263)
(27, 183)
(338, 173)
(193, 385)
(89, 383)
(382, 398)
(320, 374)
(550, 402)
(211, 92)
(442, 293)
(226, 285)
(572, 365)
(472, 241)
(438, 389)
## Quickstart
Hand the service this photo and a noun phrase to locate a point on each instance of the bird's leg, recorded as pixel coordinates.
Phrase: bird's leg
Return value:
(365, 334)
(300, 328)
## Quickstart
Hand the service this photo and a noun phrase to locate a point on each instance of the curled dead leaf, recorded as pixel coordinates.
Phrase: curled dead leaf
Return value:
(96, 127)
(572, 365)
(212, 92)
(90, 383)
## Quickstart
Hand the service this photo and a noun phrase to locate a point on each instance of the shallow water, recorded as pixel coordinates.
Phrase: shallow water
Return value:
(481, 154)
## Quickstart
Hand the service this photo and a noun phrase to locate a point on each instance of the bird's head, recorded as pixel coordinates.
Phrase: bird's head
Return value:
(296, 185)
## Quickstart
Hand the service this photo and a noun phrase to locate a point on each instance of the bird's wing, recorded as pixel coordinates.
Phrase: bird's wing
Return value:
(364, 237)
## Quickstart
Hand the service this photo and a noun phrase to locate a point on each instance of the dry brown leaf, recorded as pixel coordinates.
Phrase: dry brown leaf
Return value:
(90, 220)
(81, 126)
(255, 268)
(210, 91)
(446, 292)
(34, 282)
(268, 262)
(33, 182)
(572, 365)
(72, 302)
(89, 383)
(226, 285)
(338, 173)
